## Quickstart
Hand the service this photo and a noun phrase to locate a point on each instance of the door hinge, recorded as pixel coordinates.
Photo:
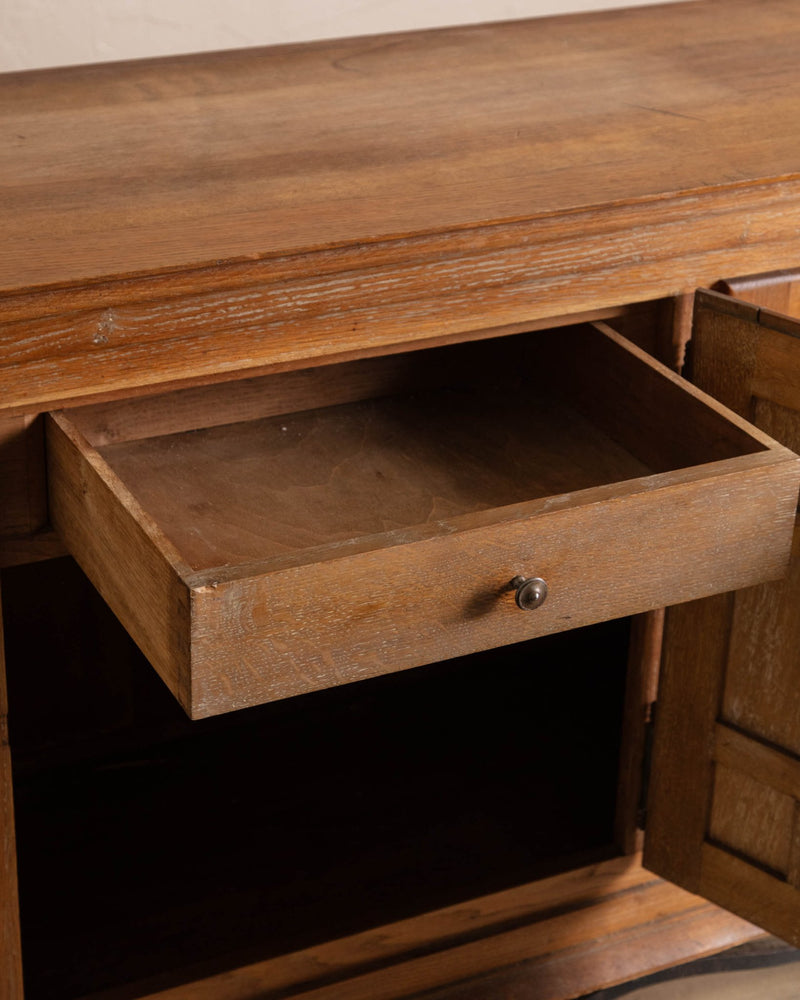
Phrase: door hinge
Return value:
(647, 761)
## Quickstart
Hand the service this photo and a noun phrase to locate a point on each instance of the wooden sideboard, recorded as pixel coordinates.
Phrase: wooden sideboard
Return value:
(311, 359)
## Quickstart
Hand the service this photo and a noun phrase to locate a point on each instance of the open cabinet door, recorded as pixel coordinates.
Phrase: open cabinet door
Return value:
(723, 815)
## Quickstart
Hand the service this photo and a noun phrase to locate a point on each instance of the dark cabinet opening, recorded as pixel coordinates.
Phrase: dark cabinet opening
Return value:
(149, 844)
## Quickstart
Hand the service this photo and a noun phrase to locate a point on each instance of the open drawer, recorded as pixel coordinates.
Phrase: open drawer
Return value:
(257, 548)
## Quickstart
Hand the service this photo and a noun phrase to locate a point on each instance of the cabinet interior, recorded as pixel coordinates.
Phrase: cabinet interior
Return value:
(206, 844)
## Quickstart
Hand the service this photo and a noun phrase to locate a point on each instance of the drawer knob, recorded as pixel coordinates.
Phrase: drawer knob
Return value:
(530, 592)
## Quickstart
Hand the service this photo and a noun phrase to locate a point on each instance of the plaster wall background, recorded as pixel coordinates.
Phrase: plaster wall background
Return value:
(39, 33)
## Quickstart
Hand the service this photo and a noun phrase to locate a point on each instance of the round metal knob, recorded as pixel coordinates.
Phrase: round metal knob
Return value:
(530, 592)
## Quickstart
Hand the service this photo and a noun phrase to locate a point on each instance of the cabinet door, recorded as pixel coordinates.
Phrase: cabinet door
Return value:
(724, 806)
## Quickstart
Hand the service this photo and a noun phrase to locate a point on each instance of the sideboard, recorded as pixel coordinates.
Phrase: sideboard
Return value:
(345, 475)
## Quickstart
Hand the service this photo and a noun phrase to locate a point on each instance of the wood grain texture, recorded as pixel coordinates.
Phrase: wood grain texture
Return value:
(762, 761)
(167, 337)
(322, 478)
(752, 819)
(260, 635)
(762, 668)
(689, 697)
(10, 945)
(232, 214)
(669, 941)
(637, 401)
(218, 213)
(396, 369)
(511, 420)
(739, 682)
(756, 895)
(358, 140)
(762, 671)
(122, 551)
(343, 543)
(598, 925)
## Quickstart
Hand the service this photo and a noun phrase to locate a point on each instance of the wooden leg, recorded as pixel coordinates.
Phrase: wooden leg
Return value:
(10, 949)
(677, 331)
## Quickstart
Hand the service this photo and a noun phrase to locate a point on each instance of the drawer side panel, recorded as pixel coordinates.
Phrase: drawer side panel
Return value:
(110, 540)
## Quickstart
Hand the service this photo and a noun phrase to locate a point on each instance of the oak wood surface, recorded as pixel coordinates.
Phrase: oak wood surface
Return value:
(743, 887)
(180, 221)
(217, 213)
(667, 941)
(689, 695)
(751, 819)
(92, 511)
(593, 926)
(302, 551)
(760, 760)
(263, 635)
(358, 140)
(149, 414)
(10, 945)
(500, 429)
(724, 807)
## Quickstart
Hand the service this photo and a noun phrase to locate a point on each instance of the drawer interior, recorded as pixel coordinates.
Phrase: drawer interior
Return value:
(254, 834)
(414, 442)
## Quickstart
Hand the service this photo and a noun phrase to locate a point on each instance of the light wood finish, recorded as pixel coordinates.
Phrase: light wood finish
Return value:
(260, 560)
(724, 809)
(10, 946)
(256, 214)
(221, 212)
(671, 939)
(597, 925)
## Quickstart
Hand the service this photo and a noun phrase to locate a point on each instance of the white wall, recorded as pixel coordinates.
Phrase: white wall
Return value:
(36, 33)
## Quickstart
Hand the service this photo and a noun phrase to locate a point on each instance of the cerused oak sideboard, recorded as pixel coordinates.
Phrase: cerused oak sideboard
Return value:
(345, 473)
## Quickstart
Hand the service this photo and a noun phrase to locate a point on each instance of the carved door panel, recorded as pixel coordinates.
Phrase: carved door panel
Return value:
(724, 806)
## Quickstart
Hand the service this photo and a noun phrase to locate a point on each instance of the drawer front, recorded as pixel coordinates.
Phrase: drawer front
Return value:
(280, 634)
(230, 632)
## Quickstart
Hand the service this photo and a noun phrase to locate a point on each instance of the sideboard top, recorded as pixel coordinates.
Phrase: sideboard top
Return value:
(168, 165)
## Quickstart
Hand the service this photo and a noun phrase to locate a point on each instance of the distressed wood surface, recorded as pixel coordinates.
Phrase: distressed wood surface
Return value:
(260, 560)
(587, 928)
(10, 946)
(218, 213)
(122, 551)
(726, 800)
